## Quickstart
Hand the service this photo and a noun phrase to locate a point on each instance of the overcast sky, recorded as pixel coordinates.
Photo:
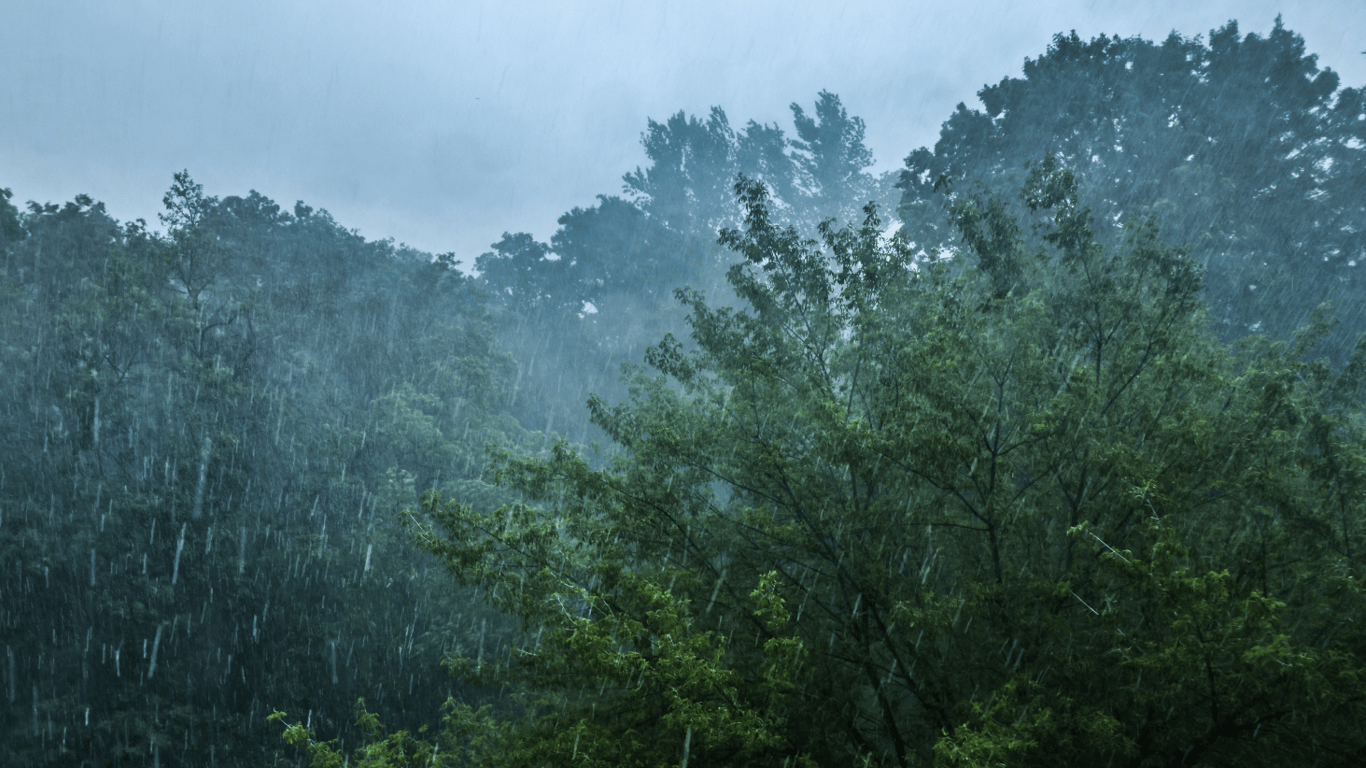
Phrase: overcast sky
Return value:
(444, 124)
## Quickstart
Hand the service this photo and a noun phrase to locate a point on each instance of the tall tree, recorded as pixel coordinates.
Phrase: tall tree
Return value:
(692, 164)
(833, 160)
(1245, 149)
(820, 174)
(205, 439)
(901, 513)
(599, 292)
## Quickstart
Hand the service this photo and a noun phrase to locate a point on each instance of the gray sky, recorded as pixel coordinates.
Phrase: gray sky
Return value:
(444, 124)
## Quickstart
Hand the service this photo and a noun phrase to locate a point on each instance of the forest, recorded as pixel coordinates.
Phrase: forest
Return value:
(1047, 449)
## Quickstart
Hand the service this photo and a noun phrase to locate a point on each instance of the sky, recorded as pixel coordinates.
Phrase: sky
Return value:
(444, 124)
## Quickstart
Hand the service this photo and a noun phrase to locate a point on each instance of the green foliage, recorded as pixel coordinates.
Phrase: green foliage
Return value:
(1014, 507)
(207, 436)
(384, 750)
(987, 492)
(599, 294)
(1247, 151)
(820, 174)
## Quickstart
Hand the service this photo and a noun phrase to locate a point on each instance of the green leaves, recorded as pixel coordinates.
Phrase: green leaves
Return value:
(207, 438)
(896, 504)
(1161, 128)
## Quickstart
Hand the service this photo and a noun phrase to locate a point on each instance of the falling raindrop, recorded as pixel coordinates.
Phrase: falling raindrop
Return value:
(175, 571)
(483, 624)
(156, 644)
(715, 590)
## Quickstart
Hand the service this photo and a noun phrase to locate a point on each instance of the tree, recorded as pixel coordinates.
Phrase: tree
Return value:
(205, 440)
(820, 174)
(198, 257)
(833, 159)
(600, 292)
(10, 229)
(900, 512)
(1244, 148)
(519, 273)
(692, 163)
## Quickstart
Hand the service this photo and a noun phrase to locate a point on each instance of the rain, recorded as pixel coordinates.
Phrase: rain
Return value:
(689, 316)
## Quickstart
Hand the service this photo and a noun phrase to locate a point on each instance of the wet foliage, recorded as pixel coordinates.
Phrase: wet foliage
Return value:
(207, 438)
(1063, 464)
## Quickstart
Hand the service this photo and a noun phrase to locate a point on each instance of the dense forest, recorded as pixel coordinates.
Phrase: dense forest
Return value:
(1046, 449)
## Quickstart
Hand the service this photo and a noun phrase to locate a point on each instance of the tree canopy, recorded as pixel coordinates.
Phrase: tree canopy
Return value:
(600, 291)
(1245, 149)
(207, 436)
(892, 513)
(1065, 466)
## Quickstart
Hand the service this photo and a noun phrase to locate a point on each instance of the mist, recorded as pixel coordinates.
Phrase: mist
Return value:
(643, 384)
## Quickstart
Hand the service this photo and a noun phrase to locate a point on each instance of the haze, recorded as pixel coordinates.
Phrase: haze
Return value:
(443, 125)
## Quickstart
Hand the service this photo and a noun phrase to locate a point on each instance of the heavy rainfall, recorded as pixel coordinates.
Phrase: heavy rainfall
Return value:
(1035, 437)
